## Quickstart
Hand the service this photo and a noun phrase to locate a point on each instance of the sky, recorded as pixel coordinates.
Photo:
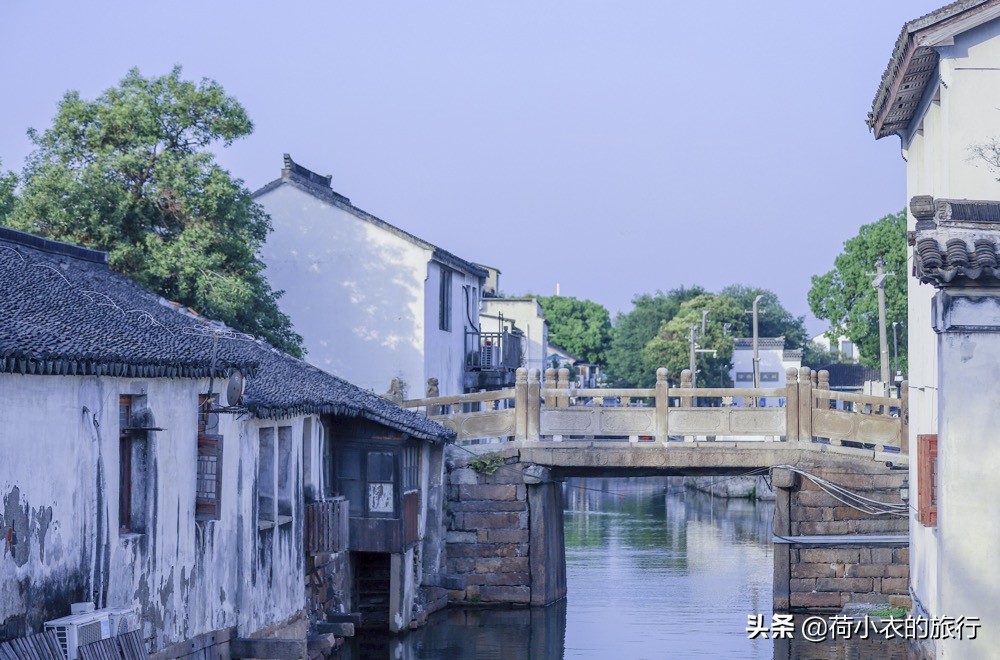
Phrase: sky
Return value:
(609, 148)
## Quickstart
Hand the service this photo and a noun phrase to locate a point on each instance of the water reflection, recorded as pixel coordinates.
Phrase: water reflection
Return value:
(653, 571)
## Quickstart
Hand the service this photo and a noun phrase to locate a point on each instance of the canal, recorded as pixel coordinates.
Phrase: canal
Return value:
(653, 571)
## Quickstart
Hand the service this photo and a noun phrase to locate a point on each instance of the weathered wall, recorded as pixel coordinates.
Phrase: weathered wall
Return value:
(505, 536)
(809, 576)
(354, 291)
(958, 111)
(59, 481)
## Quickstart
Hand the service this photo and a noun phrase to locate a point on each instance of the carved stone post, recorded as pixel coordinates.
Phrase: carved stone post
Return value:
(792, 405)
(432, 393)
(563, 400)
(550, 382)
(805, 405)
(395, 393)
(823, 383)
(521, 404)
(533, 422)
(686, 401)
(662, 403)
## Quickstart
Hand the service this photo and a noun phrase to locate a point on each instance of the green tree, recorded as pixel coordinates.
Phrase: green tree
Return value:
(773, 320)
(626, 363)
(131, 173)
(815, 355)
(845, 295)
(582, 327)
(8, 184)
(671, 346)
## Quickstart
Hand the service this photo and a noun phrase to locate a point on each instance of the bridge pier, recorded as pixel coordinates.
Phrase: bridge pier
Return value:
(504, 538)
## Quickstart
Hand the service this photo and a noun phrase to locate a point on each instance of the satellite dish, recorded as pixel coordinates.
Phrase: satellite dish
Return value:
(234, 391)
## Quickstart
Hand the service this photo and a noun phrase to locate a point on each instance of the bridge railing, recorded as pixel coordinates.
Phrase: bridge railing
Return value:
(803, 410)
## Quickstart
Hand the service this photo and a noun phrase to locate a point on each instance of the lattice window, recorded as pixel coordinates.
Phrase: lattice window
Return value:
(208, 480)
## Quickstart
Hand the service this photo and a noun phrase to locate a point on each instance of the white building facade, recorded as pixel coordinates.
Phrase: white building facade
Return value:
(775, 361)
(371, 301)
(527, 315)
(941, 96)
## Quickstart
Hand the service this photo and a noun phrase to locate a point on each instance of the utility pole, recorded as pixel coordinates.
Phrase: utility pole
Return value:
(895, 357)
(756, 355)
(879, 284)
(693, 358)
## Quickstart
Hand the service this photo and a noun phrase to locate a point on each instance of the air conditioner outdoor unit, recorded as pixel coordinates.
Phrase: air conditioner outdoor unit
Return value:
(77, 630)
(123, 619)
(489, 356)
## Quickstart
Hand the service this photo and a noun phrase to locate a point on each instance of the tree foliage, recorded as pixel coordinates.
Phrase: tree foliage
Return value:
(845, 295)
(626, 363)
(671, 346)
(8, 184)
(582, 327)
(773, 320)
(131, 173)
(816, 355)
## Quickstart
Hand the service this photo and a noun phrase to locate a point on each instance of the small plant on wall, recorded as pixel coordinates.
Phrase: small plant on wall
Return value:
(487, 463)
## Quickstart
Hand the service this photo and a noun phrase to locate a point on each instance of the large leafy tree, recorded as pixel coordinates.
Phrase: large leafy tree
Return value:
(845, 295)
(626, 363)
(131, 173)
(671, 346)
(8, 184)
(773, 320)
(582, 327)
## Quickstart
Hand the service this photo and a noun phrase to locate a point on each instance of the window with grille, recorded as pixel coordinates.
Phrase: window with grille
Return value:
(445, 299)
(927, 479)
(208, 481)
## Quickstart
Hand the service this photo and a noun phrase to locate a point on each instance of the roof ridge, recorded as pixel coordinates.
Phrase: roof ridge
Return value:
(52, 246)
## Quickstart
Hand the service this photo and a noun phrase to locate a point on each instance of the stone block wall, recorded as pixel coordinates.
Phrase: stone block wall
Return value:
(813, 576)
(504, 533)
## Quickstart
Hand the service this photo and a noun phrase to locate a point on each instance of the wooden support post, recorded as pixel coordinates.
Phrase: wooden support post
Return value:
(533, 421)
(904, 417)
(662, 405)
(792, 405)
(805, 405)
(563, 400)
(550, 382)
(521, 404)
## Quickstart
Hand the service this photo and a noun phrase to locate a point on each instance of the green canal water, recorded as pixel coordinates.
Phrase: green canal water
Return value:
(653, 571)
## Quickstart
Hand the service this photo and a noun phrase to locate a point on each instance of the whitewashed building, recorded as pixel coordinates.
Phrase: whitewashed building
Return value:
(775, 361)
(527, 316)
(132, 478)
(371, 301)
(940, 95)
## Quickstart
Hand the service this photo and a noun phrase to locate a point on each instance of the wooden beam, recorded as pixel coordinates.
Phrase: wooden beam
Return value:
(276, 649)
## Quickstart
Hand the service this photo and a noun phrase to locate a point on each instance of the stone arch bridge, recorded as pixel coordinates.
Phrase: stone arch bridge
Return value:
(503, 514)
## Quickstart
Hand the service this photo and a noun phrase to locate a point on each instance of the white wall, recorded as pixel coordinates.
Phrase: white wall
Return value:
(59, 433)
(771, 360)
(354, 291)
(960, 111)
(444, 352)
(527, 315)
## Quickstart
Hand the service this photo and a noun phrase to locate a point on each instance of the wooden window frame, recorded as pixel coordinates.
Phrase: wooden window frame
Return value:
(210, 452)
(927, 479)
(125, 440)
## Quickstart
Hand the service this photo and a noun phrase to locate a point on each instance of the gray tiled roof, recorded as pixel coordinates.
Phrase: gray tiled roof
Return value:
(318, 186)
(912, 66)
(763, 343)
(63, 311)
(961, 244)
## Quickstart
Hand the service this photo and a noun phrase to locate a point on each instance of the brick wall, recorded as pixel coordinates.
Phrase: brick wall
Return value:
(828, 577)
(493, 521)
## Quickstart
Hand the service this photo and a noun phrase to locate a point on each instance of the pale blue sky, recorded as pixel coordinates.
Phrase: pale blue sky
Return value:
(612, 147)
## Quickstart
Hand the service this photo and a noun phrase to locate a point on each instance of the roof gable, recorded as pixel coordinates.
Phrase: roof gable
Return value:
(914, 61)
(318, 186)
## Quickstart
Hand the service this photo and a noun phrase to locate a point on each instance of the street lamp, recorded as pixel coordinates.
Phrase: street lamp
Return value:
(756, 356)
